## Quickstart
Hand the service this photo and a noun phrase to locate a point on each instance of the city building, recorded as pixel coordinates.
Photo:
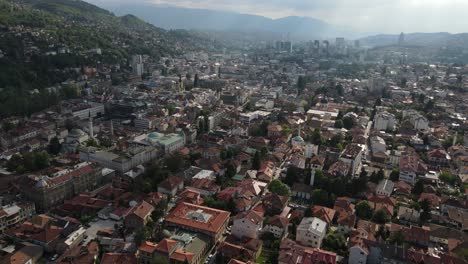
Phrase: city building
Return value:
(311, 231)
(195, 218)
(49, 191)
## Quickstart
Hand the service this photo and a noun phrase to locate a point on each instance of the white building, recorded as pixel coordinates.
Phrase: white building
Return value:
(418, 121)
(119, 161)
(310, 150)
(385, 187)
(247, 224)
(311, 232)
(14, 214)
(277, 225)
(378, 145)
(352, 155)
(385, 121)
(137, 65)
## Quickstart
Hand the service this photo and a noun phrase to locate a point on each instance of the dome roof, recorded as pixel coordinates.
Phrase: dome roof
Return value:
(154, 135)
(42, 183)
(298, 139)
(76, 132)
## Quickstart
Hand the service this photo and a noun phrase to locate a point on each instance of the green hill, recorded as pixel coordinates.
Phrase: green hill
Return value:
(42, 42)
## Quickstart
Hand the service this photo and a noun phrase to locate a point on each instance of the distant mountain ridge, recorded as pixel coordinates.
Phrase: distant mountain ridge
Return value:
(438, 39)
(170, 17)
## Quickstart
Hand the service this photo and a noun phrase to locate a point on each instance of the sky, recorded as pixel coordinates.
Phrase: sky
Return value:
(385, 16)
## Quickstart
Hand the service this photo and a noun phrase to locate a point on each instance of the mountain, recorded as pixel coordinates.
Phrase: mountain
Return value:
(439, 39)
(170, 17)
(43, 42)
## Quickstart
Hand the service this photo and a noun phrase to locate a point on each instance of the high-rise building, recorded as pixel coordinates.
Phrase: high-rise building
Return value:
(340, 45)
(284, 46)
(137, 65)
(357, 44)
(401, 39)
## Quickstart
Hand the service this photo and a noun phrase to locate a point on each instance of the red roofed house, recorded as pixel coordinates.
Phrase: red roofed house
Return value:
(139, 215)
(292, 252)
(324, 213)
(439, 157)
(171, 186)
(410, 167)
(118, 258)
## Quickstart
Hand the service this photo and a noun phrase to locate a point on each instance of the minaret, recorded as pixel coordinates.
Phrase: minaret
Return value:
(91, 128)
(112, 128)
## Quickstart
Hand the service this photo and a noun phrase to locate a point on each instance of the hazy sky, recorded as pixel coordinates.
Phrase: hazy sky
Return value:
(391, 16)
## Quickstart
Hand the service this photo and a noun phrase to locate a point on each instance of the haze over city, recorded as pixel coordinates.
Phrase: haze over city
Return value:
(381, 16)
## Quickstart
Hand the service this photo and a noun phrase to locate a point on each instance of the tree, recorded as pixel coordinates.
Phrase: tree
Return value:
(339, 123)
(380, 217)
(377, 177)
(276, 186)
(158, 259)
(256, 162)
(320, 197)
(91, 143)
(141, 235)
(425, 210)
(316, 137)
(40, 161)
(54, 146)
(301, 84)
(418, 187)
(291, 176)
(348, 122)
(364, 210)
(335, 242)
(447, 178)
(397, 238)
(14, 162)
(383, 232)
(195, 81)
(263, 152)
(395, 175)
(159, 210)
(429, 106)
(7, 126)
(174, 163)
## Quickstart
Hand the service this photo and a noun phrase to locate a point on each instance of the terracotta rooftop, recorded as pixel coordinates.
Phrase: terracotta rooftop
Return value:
(215, 218)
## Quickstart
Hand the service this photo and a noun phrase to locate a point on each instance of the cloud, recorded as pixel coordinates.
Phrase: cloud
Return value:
(365, 15)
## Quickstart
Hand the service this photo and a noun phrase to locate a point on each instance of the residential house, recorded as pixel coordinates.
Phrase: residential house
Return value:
(352, 155)
(274, 203)
(409, 215)
(301, 191)
(438, 157)
(171, 186)
(247, 224)
(411, 166)
(291, 252)
(139, 215)
(277, 225)
(324, 213)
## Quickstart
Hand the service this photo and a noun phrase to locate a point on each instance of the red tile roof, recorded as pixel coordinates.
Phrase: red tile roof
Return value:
(324, 213)
(142, 210)
(118, 258)
(217, 218)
